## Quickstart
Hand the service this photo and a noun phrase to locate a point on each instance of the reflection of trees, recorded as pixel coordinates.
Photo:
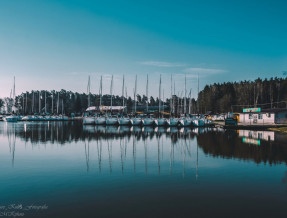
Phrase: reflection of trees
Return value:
(63, 132)
(224, 144)
(284, 180)
(228, 145)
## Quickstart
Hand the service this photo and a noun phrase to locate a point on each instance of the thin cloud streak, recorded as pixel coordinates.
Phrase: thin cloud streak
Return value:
(204, 70)
(162, 64)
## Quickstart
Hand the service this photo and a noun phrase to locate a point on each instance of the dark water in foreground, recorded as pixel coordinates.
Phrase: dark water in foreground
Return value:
(62, 169)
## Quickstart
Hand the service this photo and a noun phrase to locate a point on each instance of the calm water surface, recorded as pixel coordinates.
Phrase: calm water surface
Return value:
(62, 169)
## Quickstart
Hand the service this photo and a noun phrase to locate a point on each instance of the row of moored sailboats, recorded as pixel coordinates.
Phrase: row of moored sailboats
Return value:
(146, 121)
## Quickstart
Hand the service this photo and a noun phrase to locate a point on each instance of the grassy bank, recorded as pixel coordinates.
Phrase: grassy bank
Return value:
(280, 129)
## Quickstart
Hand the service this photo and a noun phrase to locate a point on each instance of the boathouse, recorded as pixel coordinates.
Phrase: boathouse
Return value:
(106, 109)
(258, 116)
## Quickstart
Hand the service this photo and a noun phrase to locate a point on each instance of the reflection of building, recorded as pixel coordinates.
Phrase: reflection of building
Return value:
(264, 135)
(256, 116)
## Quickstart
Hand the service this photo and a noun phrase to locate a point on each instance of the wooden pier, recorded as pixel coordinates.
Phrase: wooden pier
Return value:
(248, 126)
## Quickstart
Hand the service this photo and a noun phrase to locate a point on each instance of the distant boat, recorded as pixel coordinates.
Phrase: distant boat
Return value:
(112, 120)
(185, 122)
(89, 120)
(172, 122)
(198, 122)
(136, 121)
(100, 120)
(27, 118)
(148, 121)
(11, 118)
(160, 122)
(124, 121)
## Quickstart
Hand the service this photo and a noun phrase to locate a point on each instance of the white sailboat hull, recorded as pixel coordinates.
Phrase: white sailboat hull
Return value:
(27, 118)
(136, 121)
(172, 122)
(11, 119)
(88, 120)
(148, 122)
(160, 122)
(124, 121)
(100, 121)
(198, 122)
(185, 122)
(112, 121)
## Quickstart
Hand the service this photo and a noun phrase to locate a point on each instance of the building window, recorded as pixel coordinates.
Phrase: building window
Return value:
(269, 115)
(260, 116)
(250, 116)
(260, 135)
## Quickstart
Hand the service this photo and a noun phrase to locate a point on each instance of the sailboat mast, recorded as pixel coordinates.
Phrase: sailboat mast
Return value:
(197, 93)
(189, 102)
(52, 103)
(26, 104)
(171, 103)
(111, 92)
(39, 102)
(89, 92)
(123, 91)
(32, 102)
(185, 95)
(147, 93)
(58, 103)
(23, 108)
(126, 98)
(45, 102)
(62, 106)
(159, 96)
(175, 99)
(101, 90)
(135, 94)
(163, 100)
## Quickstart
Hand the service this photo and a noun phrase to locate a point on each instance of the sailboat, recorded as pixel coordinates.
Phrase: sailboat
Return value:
(185, 121)
(87, 119)
(100, 120)
(124, 120)
(160, 121)
(198, 121)
(147, 120)
(136, 121)
(112, 120)
(172, 121)
(12, 118)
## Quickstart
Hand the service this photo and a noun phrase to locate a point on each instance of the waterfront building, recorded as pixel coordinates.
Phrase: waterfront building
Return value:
(258, 116)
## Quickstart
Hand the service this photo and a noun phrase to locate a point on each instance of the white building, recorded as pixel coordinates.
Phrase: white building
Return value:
(256, 116)
(264, 135)
(106, 109)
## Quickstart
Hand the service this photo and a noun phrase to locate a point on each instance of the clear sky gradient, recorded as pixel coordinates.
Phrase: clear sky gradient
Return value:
(57, 44)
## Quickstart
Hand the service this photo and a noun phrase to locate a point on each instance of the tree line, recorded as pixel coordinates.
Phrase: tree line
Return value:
(234, 96)
(215, 98)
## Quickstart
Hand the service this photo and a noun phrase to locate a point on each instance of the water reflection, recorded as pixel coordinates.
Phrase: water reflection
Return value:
(258, 146)
(171, 169)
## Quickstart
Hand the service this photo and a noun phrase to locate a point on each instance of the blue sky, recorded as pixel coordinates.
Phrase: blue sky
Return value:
(58, 44)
